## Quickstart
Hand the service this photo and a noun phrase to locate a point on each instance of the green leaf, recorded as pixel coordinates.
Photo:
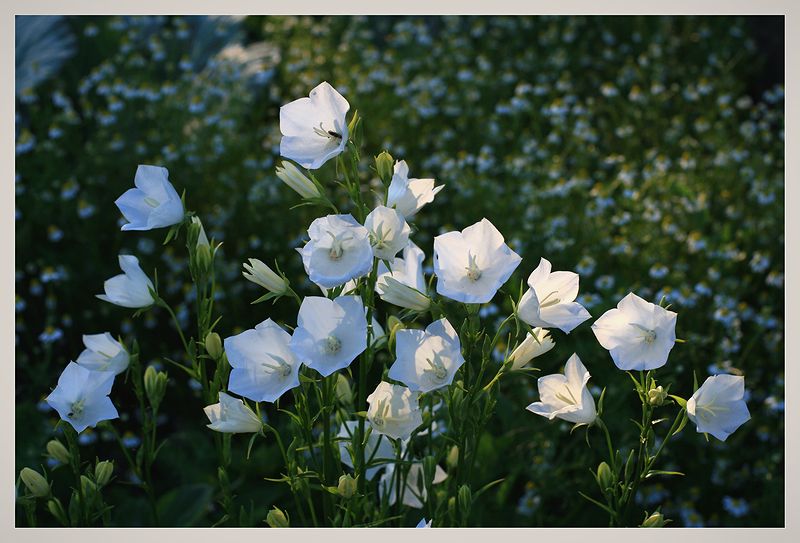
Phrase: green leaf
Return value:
(680, 401)
(185, 505)
(654, 472)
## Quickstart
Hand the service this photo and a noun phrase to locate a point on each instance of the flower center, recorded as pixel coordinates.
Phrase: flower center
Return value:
(381, 410)
(437, 369)
(709, 411)
(473, 272)
(332, 135)
(280, 367)
(152, 202)
(332, 345)
(648, 336)
(76, 409)
(547, 302)
(378, 237)
(571, 400)
(337, 246)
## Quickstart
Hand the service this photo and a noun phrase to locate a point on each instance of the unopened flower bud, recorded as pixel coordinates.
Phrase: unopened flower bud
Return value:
(344, 393)
(277, 518)
(35, 482)
(657, 396)
(394, 292)
(199, 249)
(347, 486)
(57, 450)
(103, 472)
(261, 274)
(452, 457)
(57, 510)
(604, 476)
(531, 347)
(214, 345)
(88, 487)
(656, 520)
(296, 180)
(384, 164)
(155, 386)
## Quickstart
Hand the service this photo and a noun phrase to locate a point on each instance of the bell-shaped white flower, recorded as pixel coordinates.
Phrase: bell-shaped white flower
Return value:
(409, 195)
(414, 493)
(472, 264)
(232, 416)
(394, 410)
(103, 353)
(404, 284)
(263, 365)
(530, 348)
(424, 523)
(638, 334)
(330, 334)
(566, 396)
(130, 289)
(314, 129)
(427, 359)
(718, 407)
(378, 448)
(550, 300)
(388, 232)
(81, 397)
(338, 251)
(154, 203)
(262, 275)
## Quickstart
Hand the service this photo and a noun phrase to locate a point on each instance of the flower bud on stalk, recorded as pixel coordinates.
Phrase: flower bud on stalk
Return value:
(400, 294)
(344, 393)
(656, 520)
(214, 345)
(261, 274)
(384, 164)
(200, 255)
(604, 476)
(103, 472)
(294, 178)
(155, 385)
(88, 487)
(347, 486)
(656, 396)
(452, 458)
(35, 482)
(277, 518)
(57, 510)
(57, 450)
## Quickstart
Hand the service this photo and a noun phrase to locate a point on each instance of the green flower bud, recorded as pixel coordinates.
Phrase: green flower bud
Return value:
(277, 518)
(604, 476)
(657, 396)
(347, 486)
(464, 500)
(297, 181)
(214, 345)
(384, 164)
(103, 472)
(344, 393)
(656, 520)
(57, 450)
(200, 255)
(452, 457)
(57, 510)
(35, 482)
(155, 386)
(88, 487)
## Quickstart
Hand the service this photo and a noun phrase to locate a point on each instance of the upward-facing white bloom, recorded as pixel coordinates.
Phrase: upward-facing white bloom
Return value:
(154, 203)
(378, 448)
(81, 397)
(409, 195)
(427, 359)
(550, 300)
(330, 334)
(639, 334)
(388, 232)
(404, 284)
(472, 264)
(414, 492)
(315, 128)
(263, 365)
(103, 353)
(232, 416)
(338, 251)
(294, 178)
(718, 407)
(566, 396)
(129, 289)
(261, 274)
(394, 410)
(530, 348)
